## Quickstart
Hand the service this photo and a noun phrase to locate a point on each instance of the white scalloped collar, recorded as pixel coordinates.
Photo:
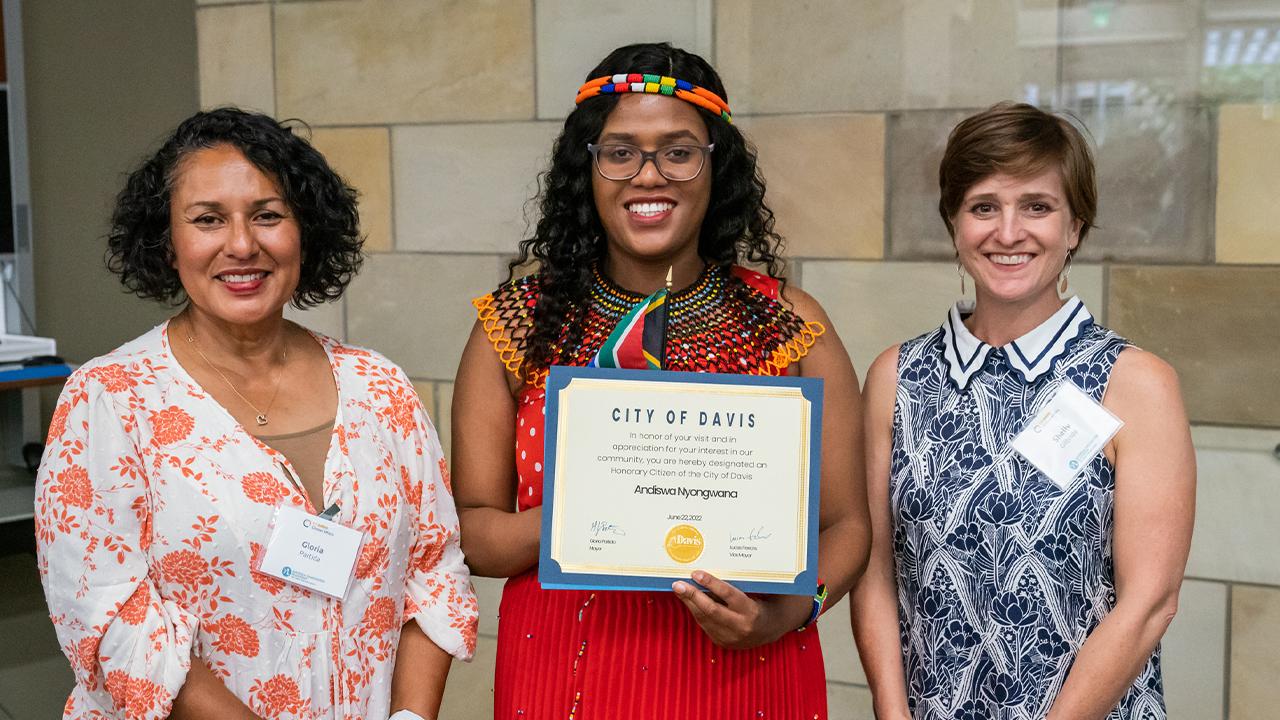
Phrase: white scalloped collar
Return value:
(1031, 355)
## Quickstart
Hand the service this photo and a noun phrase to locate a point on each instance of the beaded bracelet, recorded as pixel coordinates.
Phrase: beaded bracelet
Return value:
(655, 85)
(819, 600)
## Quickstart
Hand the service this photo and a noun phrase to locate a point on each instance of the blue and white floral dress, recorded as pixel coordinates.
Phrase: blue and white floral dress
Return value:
(1001, 573)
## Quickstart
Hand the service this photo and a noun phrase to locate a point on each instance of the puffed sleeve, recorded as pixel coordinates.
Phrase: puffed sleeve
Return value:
(130, 649)
(438, 592)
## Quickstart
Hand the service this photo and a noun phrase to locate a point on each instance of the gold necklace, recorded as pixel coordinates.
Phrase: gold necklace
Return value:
(260, 415)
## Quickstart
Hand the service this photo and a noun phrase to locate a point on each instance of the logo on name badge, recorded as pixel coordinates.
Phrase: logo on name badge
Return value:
(684, 543)
(286, 571)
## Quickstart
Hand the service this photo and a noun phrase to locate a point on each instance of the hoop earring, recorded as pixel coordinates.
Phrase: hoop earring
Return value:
(1063, 284)
(960, 272)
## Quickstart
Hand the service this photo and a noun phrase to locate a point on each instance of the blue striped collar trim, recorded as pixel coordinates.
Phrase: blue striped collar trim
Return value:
(1032, 355)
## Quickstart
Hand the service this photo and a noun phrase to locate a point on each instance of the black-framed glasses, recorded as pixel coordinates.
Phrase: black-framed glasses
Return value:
(678, 163)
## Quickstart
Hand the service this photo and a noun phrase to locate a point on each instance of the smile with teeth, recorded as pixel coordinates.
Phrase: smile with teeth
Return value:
(1009, 259)
(649, 209)
(247, 277)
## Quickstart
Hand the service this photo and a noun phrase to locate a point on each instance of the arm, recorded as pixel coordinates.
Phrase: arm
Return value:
(497, 540)
(130, 648)
(740, 621)
(203, 695)
(873, 605)
(440, 608)
(1154, 511)
(420, 673)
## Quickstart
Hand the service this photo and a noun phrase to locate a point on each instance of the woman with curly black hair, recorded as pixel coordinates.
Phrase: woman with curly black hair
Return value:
(186, 570)
(648, 177)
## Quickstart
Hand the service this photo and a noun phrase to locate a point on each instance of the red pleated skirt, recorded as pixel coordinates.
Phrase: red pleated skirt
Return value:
(620, 655)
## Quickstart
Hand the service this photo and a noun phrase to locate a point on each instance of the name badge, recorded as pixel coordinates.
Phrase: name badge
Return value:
(311, 552)
(1066, 434)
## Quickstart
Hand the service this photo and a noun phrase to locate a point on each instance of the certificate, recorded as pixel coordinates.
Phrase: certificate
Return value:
(651, 474)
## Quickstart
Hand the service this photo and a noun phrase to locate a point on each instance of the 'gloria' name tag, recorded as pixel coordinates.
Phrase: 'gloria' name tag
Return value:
(1066, 434)
(311, 552)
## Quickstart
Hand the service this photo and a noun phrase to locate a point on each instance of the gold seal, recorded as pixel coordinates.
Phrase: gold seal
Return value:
(684, 543)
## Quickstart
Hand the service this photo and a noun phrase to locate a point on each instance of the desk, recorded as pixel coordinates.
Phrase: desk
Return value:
(19, 424)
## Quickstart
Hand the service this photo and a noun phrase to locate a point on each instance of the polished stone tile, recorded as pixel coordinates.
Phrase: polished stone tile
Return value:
(1248, 175)
(877, 304)
(575, 35)
(1239, 50)
(839, 653)
(362, 156)
(1136, 50)
(426, 390)
(1216, 326)
(489, 593)
(825, 179)
(1237, 503)
(848, 702)
(468, 694)
(404, 61)
(1255, 652)
(416, 309)
(1155, 183)
(444, 421)
(778, 56)
(234, 49)
(327, 319)
(1194, 653)
(1233, 438)
(464, 188)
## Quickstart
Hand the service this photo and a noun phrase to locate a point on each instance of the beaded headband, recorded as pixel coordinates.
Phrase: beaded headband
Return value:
(656, 85)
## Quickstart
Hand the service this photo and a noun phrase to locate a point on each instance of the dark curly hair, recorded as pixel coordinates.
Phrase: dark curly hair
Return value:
(569, 240)
(139, 245)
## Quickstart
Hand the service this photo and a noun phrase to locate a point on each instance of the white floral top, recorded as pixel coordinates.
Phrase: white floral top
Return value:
(153, 503)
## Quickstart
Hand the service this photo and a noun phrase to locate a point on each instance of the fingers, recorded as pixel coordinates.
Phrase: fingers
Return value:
(733, 598)
(706, 612)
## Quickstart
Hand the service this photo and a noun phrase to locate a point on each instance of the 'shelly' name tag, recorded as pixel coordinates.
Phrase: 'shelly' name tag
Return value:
(1066, 434)
(311, 552)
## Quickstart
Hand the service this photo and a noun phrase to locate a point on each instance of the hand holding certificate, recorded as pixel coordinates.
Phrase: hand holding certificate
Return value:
(651, 474)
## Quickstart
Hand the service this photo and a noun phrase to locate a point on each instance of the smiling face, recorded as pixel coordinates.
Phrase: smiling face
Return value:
(1013, 235)
(648, 218)
(237, 247)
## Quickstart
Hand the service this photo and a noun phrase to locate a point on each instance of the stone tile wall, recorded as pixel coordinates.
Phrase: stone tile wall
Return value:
(442, 114)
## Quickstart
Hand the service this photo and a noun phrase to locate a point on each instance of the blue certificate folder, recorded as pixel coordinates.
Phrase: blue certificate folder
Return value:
(550, 574)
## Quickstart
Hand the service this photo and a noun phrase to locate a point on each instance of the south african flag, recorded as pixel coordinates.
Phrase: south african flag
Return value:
(639, 340)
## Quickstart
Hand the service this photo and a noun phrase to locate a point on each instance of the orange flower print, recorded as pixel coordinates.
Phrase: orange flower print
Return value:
(171, 425)
(58, 425)
(73, 485)
(137, 697)
(234, 636)
(380, 617)
(372, 560)
(134, 610)
(275, 697)
(398, 410)
(185, 568)
(262, 487)
(266, 582)
(87, 654)
(115, 378)
(444, 474)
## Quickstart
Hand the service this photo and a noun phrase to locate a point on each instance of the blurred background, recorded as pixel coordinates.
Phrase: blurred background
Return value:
(443, 112)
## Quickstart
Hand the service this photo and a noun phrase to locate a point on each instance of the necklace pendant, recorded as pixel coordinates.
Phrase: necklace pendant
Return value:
(262, 419)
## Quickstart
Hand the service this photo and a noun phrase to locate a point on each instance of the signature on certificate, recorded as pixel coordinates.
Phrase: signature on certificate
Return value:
(756, 533)
(603, 527)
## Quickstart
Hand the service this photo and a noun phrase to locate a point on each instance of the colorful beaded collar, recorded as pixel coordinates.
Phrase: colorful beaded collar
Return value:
(656, 85)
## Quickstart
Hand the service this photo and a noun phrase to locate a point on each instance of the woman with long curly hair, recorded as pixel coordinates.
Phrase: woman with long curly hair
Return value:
(642, 184)
(173, 460)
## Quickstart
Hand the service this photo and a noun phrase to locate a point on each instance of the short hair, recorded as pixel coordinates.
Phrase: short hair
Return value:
(139, 244)
(1018, 140)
